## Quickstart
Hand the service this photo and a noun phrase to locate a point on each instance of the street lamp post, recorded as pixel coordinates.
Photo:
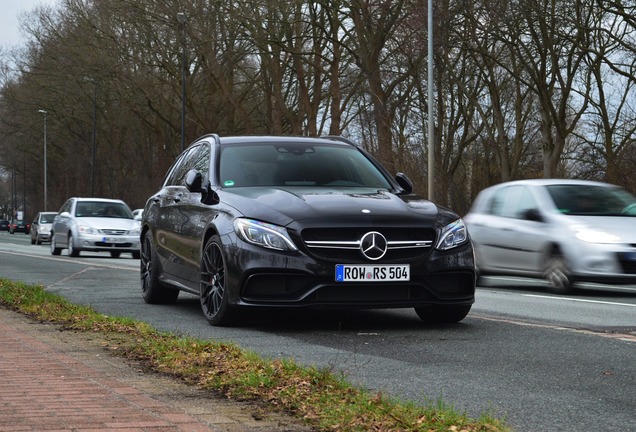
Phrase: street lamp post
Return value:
(431, 123)
(94, 147)
(45, 162)
(94, 143)
(181, 18)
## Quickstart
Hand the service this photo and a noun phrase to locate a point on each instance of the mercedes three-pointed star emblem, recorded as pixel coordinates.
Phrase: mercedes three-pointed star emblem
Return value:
(373, 245)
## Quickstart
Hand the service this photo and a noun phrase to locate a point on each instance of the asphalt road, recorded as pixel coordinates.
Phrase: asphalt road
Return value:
(542, 362)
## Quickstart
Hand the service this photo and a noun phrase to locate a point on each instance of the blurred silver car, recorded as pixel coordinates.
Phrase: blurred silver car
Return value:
(41, 227)
(95, 224)
(564, 231)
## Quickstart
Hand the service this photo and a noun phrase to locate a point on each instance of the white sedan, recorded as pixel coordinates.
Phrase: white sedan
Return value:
(97, 225)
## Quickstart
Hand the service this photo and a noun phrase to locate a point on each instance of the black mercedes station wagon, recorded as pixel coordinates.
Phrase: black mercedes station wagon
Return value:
(300, 222)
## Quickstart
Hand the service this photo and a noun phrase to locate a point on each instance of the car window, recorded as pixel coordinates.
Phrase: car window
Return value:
(501, 202)
(297, 165)
(201, 160)
(187, 161)
(525, 202)
(67, 206)
(47, 218)
(592, 200)
(102, 209)
(512, 202)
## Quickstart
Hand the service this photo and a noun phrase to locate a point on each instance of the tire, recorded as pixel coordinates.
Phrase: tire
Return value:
(213, 288)
(54, 249)
(115, 254)
(153, 291)
(442, 314)
(557, 275)
(70, 248)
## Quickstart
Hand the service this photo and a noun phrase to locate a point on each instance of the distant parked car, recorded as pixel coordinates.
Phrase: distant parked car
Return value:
(41, 227)
(564, 231)
(97, 225)
(4, 225)
(246, 222)
(19, 226)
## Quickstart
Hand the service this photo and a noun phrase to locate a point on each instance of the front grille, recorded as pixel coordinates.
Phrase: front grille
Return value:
(282, 289)
(113, 231)
(113, 245)
(342, 245)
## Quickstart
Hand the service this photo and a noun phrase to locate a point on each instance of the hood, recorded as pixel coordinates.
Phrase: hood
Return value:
(624, 227)
(320, 206)
(109, 223)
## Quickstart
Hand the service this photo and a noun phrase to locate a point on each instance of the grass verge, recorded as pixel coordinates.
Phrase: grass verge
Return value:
(321, 398)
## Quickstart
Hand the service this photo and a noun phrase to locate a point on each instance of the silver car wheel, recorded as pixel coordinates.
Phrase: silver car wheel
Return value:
(72, 252)
(54, 249)
(557, 275)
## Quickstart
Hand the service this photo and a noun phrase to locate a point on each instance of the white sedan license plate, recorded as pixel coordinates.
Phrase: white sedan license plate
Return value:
(372, 273)
(113, 240)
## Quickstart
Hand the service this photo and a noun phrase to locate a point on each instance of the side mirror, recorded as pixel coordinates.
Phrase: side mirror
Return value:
(404, 182)
(533, 215)
(195, 182)
(65, 214)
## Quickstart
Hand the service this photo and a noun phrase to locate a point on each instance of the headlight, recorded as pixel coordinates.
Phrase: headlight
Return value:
(135, 231)
(44, 230)
(452, 235)
(263, 234)
(85, 229)
(594, 236)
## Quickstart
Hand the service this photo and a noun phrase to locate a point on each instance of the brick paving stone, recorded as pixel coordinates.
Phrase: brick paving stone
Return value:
(54, 381)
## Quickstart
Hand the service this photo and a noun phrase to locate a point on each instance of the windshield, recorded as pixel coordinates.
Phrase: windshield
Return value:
(298, 164)
(585, 200)
(102, 209)
(47, 218)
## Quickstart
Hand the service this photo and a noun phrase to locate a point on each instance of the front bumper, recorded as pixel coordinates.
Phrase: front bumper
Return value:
(100, 243)
(603, 263)
(293, 280)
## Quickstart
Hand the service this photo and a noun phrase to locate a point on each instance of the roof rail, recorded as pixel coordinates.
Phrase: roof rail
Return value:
(214, 136)
(341, 138)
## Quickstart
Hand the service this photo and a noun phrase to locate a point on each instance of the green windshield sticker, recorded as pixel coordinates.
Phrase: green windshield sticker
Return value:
(228, 183)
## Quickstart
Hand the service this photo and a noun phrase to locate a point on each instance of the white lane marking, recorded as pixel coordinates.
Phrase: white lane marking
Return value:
(627, 337)
(67, 260)
(579, 300)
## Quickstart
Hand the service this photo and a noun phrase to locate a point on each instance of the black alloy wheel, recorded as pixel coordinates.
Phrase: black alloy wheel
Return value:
(153, 291)
(213, 287)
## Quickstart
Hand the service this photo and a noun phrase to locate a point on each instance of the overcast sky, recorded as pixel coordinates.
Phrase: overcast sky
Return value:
(9, 22)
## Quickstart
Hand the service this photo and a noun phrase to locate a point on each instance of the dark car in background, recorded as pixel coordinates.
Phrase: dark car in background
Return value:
(4, 225)
(566, 232)
(300, 222)
(19, 226)
(41, 227)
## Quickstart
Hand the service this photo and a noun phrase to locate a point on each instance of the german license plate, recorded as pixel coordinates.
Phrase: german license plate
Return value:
(629, 256)
(113, 240)
(372, 273)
